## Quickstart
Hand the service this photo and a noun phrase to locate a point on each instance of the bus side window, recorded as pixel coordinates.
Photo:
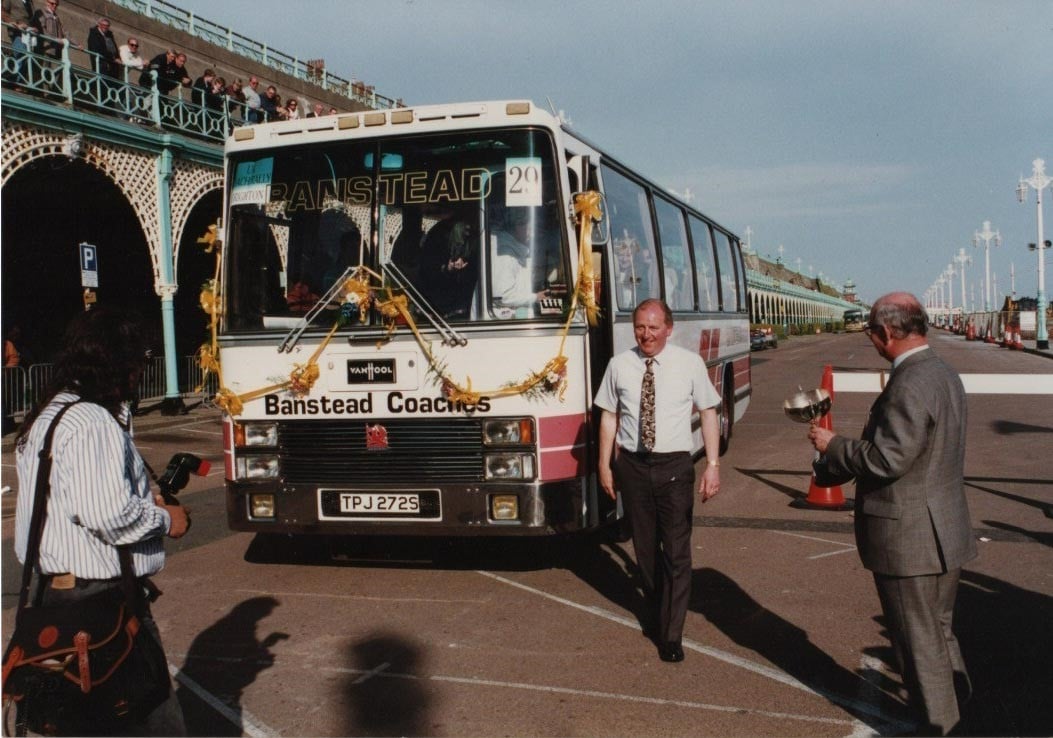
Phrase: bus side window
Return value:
(676, 263)
(632, 240)
(705, 273)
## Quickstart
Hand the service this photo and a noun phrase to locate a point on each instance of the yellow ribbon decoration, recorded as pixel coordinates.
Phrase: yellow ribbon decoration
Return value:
(587, 208)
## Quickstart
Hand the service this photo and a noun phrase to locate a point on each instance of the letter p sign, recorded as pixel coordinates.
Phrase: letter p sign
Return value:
(89, 266)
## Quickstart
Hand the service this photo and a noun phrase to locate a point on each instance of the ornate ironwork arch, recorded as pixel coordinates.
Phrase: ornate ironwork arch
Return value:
(133, 171)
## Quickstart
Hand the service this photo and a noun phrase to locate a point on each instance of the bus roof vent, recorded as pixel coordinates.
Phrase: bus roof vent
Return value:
(517, 108)
(347, 121)
(244, 133)
(375, 119)
(401, 116)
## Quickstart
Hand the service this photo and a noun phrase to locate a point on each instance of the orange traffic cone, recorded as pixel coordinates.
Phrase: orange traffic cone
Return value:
(1018, 343)
(824, 498)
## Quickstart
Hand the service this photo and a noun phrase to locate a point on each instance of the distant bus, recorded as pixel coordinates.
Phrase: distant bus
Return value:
(853, 320)
(401, 341)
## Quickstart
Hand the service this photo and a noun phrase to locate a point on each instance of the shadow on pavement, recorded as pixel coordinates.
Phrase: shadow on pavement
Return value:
(377, 707)
(728, 607)
(1007, 643)
(224, 659)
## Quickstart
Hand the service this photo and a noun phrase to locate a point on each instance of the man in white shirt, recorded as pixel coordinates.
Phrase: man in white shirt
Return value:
(130, 54)
(648, 396)
(252, 101)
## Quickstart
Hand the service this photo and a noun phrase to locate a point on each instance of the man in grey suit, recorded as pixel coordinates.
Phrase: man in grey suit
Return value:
(912, 521)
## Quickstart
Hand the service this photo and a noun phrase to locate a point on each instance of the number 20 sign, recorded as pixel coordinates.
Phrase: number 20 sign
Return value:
(523, 182)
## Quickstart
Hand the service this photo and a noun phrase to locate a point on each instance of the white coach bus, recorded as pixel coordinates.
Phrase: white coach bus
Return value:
(415, 307)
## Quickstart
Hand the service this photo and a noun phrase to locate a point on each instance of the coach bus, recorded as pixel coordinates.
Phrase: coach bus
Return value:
(853, 320)
(415, 308)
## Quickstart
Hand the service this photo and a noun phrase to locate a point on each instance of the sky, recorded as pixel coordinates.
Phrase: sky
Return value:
(870, 140)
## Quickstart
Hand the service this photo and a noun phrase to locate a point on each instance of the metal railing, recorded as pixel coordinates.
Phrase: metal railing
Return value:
(226, 38)
(23, 387)
(60, 80)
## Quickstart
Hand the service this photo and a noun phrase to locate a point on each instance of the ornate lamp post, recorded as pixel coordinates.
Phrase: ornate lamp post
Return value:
(1039, 181)
(987, 235)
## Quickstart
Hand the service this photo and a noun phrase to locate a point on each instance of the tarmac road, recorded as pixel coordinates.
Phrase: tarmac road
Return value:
(541, 638)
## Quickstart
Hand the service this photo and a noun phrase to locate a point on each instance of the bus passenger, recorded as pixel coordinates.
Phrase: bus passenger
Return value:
(513, 267)
(449, 265)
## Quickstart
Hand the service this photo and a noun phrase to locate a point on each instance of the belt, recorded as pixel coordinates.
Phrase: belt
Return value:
(67, 581)
(653, 457)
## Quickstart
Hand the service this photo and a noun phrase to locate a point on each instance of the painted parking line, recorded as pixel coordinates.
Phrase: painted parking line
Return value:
(769, 672)
(590, 693)
(843, 548)
(242, 719)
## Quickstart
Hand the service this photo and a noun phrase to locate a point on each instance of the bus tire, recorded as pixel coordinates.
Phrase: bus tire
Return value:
(727, 413)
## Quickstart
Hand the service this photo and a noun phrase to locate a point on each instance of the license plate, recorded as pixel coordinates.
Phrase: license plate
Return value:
(377, 503)
(345, 504)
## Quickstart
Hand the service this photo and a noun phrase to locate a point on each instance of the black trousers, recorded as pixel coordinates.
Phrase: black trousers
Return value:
(658, 491)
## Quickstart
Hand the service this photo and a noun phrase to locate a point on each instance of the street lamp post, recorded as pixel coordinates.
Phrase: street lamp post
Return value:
(962, 259)
(1039, 181)
(987, 235)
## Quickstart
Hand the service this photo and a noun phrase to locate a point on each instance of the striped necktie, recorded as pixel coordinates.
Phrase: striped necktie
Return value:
(647, 408)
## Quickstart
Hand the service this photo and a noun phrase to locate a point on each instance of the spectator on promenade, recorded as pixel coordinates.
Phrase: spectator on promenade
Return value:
(161, 69)
(236, 101)
(105, 58)
(252, 101)
(130, 54)
(269, 103)
(292, 110)
(48, 23)
(179, 71)
(332, 111)
(317, 112)
(19, 15)
(202, 87)
(217, 94)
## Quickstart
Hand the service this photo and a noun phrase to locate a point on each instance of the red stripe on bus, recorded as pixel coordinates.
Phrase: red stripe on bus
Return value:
(561, 446)
(561, 430)
(562, 464)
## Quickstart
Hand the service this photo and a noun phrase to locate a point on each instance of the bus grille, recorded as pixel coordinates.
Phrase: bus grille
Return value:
(325, 452)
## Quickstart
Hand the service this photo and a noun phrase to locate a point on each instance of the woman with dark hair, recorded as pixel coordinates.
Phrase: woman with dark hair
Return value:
(100, 497)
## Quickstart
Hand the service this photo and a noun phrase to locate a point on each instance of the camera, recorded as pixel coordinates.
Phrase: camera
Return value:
(177, 474)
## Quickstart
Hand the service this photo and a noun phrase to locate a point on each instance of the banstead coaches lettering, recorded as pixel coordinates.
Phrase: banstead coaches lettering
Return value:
(396, 402)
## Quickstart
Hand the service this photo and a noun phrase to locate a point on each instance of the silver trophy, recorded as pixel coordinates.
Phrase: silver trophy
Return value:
(806, 406)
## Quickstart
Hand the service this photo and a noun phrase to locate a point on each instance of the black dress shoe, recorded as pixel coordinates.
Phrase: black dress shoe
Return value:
(672, 652)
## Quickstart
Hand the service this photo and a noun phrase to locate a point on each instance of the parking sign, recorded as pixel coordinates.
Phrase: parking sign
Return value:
(89, 266)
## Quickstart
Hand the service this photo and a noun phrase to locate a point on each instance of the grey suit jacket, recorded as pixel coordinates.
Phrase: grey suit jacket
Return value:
(911, 514)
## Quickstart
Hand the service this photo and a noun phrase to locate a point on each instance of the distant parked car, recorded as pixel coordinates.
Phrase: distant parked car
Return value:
(762, 338)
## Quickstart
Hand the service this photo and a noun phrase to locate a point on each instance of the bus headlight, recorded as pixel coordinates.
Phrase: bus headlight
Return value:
(261, 506)
(508, 432)
(501, 467)
(256, 467)
(504, 507)
(255, 434)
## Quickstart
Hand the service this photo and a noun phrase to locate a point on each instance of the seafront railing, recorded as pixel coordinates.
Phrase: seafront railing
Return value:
(257, 51)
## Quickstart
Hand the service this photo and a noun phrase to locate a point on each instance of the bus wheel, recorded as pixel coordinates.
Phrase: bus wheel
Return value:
(727, 414)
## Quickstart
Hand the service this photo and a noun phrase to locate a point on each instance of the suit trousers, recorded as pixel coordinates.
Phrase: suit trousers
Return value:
(919, 612)
(658, 492)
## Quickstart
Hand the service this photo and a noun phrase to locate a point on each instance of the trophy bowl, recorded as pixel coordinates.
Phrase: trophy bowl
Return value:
(806, 406)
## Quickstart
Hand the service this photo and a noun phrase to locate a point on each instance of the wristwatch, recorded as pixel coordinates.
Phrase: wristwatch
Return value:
(714, 462)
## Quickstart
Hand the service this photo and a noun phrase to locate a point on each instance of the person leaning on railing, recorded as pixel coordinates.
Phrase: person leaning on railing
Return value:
(18, 14)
